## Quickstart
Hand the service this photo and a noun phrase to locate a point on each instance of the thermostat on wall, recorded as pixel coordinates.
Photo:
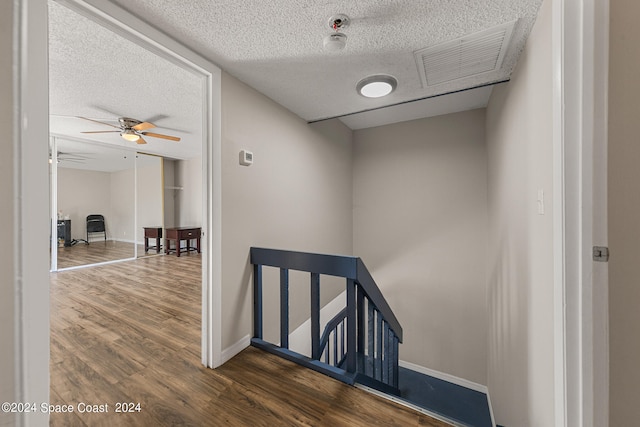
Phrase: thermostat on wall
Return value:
(246, 158)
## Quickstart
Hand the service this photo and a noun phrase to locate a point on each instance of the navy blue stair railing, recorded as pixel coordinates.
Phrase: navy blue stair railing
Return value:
(359, 345)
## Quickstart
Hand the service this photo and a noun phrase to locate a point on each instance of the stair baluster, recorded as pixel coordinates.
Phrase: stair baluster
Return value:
(359, 345)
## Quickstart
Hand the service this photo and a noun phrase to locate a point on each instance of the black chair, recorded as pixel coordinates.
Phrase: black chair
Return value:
(95, 224)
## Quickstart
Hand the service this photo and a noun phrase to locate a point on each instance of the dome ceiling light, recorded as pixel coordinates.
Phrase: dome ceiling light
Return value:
(377, 86)
(336, 41)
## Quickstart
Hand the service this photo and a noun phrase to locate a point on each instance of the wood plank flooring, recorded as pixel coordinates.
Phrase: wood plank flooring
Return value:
(98, 251)
(130, 332)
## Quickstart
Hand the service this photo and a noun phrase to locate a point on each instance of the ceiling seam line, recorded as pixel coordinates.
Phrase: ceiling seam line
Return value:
(408, 102)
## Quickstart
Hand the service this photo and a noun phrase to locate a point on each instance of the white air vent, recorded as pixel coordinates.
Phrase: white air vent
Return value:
(468, 56)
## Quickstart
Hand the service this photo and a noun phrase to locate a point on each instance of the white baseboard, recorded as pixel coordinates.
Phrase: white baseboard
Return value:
(445, 377)
(229, 352)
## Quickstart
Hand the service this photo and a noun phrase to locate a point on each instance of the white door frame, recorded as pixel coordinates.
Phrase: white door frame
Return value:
(580, 67)
(31, 187)
(30, 200)
(141, 33)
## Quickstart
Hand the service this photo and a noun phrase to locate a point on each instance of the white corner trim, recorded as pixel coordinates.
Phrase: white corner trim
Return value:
(229, 352)
(446, 377)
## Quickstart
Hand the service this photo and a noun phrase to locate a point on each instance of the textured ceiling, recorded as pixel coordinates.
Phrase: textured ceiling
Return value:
(276, 46)
(97, 74)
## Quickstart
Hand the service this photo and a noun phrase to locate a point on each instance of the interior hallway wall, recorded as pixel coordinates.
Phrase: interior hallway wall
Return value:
(8, 391)
(520, 256)
(420, 225)
(297, 195)
(624, 213)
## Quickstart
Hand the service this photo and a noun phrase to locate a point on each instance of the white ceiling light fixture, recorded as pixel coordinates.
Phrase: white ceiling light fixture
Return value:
(377, 86)
(130, 135)
(337, 40)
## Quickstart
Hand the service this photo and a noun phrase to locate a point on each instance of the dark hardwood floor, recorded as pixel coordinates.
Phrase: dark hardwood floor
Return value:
(130, 333)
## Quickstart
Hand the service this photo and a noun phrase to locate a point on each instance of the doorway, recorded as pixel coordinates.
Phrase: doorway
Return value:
(133, 92)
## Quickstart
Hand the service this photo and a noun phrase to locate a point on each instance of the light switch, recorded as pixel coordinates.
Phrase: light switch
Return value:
(540, 202)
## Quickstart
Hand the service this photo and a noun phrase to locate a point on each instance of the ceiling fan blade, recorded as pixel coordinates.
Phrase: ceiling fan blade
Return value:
(156, 118)
(103, 131)
(143, 126)
(159, 135)
(141, 141)
(91, 120)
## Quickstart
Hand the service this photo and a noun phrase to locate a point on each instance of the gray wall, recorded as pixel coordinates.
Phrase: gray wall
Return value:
(420, 225)
(296, 195)
(7, 272)
(520, 261)
(624, 212)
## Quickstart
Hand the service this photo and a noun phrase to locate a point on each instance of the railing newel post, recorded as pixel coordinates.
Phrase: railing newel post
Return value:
(396, 366)
(379, 339)
(351, 326)
(284, 308)
(385, 354)
(315, 316)
(257, 301)
(360, 328)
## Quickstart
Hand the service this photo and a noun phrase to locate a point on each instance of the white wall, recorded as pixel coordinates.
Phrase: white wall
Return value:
(520, 256)
(420, 226)
(81, 193)
(188, 175)
(168, 173)
(624, 213)
(8, 351)
(296, 195)
(150, 194)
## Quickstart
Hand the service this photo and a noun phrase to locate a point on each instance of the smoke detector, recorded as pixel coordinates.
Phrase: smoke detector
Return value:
(336, 40)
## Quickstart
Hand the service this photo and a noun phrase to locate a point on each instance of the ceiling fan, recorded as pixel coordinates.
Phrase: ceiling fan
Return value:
(132, 130)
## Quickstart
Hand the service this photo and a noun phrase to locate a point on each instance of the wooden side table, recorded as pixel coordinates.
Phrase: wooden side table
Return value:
(182, 233)
(152, 233)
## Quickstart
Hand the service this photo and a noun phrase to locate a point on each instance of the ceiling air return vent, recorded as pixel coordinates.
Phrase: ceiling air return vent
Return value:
(470, 55)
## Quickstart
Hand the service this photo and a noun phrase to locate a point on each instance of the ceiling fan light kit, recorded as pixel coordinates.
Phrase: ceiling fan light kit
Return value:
(130, 135)
(377, 86)
(336, 41)
(132, 130)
